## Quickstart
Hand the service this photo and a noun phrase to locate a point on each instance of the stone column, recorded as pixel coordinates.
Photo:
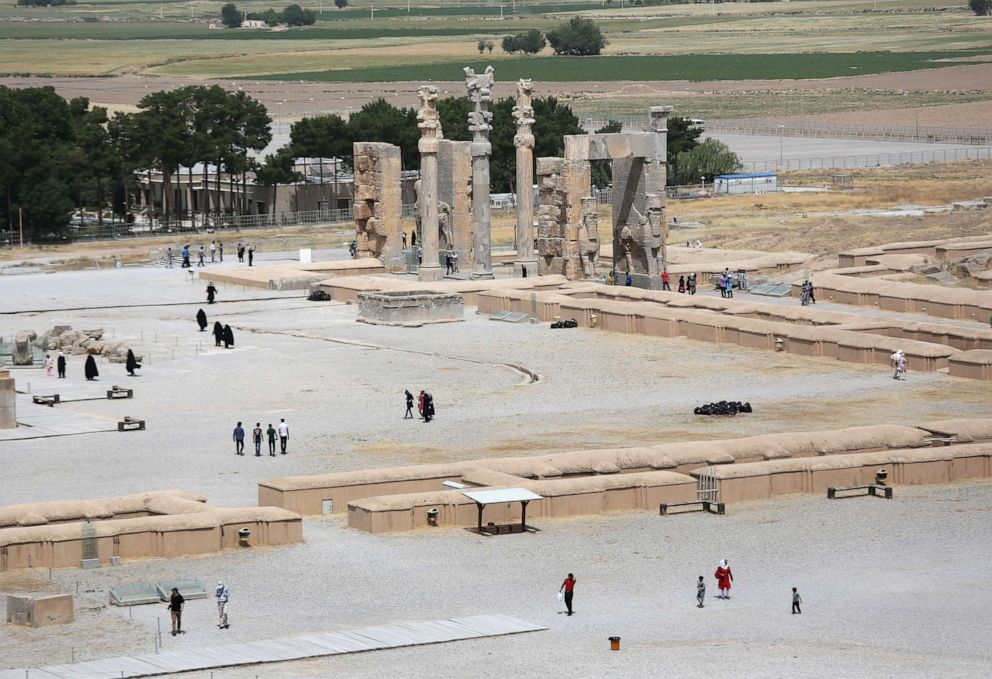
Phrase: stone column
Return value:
(657, 169)
(523, 240)
(430, 133)
(480, 94)
(8, 401)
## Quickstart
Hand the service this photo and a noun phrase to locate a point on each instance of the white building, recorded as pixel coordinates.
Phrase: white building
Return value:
(758, 182)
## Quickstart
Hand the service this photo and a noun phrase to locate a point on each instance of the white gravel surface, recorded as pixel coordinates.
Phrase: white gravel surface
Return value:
(891, 587)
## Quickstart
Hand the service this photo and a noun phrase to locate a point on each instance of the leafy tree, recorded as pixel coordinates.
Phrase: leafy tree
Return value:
(481, 45)
(294, 15)
(980, 7)
(380, 121)
(510, 44)
(93, 154)
(490, 46)
(529, 42)
(683, 136)
(453, 112)
(277, 169)
(230, 15)
(577, 37)
(320, 137)
(709, 159)
(341, 4)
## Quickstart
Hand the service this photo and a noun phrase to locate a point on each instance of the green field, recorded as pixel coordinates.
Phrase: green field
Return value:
(692, 67)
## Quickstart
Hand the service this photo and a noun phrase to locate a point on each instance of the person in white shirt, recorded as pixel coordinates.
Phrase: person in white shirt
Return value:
(222, 594)
(283, 435)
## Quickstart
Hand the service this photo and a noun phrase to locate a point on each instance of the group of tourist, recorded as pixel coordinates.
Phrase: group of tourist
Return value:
(222, 333)
(450, 262)
(806, 294)
(898, 361)
(725, 282)
(425, 405)
(177, 603)
(257, 435)
(90, 371)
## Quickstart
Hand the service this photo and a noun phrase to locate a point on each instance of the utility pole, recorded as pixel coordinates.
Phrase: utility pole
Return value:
(372, 9)
(20, 220)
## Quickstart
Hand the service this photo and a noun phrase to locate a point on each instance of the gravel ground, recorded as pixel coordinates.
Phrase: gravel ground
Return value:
(339, 385)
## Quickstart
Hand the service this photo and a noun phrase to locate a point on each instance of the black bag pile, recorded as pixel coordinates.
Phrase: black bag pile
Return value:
(730, 408)
(319, 296)
(564, 324)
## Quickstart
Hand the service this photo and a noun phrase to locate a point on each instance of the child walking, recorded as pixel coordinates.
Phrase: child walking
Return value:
(796, 602)
(700, 592)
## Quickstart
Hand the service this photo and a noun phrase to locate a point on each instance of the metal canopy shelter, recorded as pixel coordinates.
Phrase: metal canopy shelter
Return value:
(494, 497)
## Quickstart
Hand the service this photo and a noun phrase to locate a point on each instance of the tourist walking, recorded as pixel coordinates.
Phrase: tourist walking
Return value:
(256, 434)
(413, 238)
(454, 264)
(211, 292)
(682, 284)
(804, 293)
(568, 587)
(222, 594)
(664, 280)
(239, 439)
(700, 592)
(49, 365)
(201, 319)
(228, 337)
(283, 435)
(213, 251)
(421, 398)
(168, 258)
(797, 602)
(447, 264)
(691, 284)
(185, 255)
(176, 604)
(251, 254)
(201, 254)
(218, 333)
(132, 363)
(742, 280)
(220, 250)
(420, 256)
(270, 433)
(403, 238)
(90, 368)
(60, 364)
(630, 280)
(894, 362)
(721, 283)
(901, 367)
(724, 577)
(611, 278)
(729, 283)
(409, 405)
(428, 407)
(241, 252)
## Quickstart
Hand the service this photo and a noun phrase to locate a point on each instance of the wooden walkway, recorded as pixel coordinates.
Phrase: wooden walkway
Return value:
(289, 648)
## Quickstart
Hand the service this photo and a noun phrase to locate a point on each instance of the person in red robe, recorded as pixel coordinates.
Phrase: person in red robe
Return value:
(724, 577)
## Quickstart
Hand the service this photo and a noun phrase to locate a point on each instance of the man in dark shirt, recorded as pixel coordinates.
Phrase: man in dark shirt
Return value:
(271, 434)
(256, 434)
(176, 603)
(239, 440)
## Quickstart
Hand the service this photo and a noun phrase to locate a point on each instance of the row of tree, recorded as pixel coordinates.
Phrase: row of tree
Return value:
(576, 37)
(58, 155)
(292, 15)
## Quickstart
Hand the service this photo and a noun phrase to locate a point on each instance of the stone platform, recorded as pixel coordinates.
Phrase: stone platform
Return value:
(410, 308)
(292, 648)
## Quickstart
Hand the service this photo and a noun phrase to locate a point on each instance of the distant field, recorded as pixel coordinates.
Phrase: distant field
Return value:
(698, 67)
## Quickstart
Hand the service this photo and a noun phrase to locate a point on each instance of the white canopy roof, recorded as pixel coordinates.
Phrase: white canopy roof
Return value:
(491, 497)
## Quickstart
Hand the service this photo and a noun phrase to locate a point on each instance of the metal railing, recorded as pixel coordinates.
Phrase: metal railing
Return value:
(871, 160)
(910, 133)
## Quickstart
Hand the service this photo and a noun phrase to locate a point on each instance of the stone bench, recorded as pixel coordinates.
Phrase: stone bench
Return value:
(131, 424)
(45, 400)
(120, 392)
(664, 509)
(873, 489)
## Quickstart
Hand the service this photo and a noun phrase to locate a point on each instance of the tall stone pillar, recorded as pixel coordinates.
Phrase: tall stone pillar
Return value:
(479, 123)
(523, 240)
(657, 169)
(430, 134)
(378, 205)
(8, 401)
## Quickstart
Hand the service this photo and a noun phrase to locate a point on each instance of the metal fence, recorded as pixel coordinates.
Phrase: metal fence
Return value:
(871, 160)
(905, 133)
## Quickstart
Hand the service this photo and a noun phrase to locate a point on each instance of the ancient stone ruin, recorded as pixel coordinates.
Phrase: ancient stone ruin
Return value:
(479, 87)
(523, 238)
(8, 401)
(411, 308)
(429, 123)
(378, 206)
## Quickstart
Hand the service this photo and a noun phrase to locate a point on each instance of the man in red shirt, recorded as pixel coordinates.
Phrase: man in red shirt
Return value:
(664, 280)
(568, 586)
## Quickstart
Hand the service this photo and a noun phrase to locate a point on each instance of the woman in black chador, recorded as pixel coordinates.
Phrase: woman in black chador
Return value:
(132, 363)
(90, 368)
(201, 319)
(211, 293)
(228, 337)
(218, 333)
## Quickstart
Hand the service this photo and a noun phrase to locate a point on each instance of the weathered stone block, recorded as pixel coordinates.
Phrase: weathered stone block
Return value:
(40, 611)
(409, 308)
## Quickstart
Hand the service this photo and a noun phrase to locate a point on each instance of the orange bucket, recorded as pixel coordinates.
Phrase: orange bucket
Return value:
(614, 643)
